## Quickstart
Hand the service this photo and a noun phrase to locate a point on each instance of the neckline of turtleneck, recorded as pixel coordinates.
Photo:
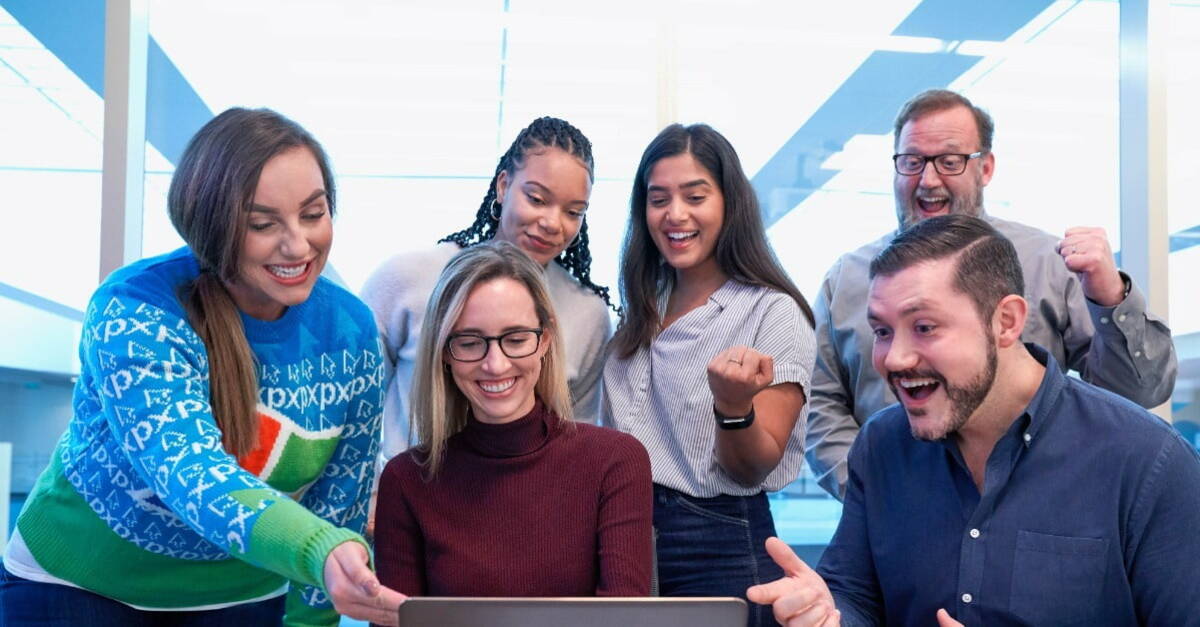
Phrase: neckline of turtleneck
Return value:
(522, 436)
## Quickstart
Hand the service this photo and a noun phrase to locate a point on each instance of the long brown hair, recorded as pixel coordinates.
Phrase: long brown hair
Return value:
(210, 194)
(439, 409)
(742, 250)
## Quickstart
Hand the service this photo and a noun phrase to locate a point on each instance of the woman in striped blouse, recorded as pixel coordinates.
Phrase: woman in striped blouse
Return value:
(701, 286)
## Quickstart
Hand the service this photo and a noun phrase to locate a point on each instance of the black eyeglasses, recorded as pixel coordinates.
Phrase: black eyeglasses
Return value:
(949, 164)
(514, 344)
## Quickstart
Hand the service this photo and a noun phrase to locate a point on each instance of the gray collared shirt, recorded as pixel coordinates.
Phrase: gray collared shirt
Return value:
(1124, 349)
(660, 394)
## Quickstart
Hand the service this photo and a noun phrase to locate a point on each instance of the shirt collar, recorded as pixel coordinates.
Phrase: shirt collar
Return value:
(1040, 409)
(723, 296)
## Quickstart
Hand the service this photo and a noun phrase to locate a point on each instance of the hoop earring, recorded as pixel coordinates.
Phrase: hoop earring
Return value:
(495, 210)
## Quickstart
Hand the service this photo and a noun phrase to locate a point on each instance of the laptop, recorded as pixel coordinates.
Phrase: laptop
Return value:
(574, 611)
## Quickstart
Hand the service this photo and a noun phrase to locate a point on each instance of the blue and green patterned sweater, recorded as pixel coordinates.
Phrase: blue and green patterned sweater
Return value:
(141, 503)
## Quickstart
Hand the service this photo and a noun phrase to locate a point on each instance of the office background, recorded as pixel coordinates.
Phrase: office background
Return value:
(416, 100)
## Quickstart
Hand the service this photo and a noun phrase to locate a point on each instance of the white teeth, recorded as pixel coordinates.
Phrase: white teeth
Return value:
(495, 388)
(915, 383)
(932, 199)
(287, 272)
(682, 236)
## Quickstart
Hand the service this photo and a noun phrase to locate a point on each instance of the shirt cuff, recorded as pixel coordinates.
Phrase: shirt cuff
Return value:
(1119, 320)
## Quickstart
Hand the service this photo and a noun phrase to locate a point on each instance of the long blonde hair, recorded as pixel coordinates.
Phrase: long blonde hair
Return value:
(439, 409)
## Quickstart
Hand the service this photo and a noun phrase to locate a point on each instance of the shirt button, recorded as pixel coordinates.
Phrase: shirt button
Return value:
(1137, 353)
(1121, 318)
(967, 597)
(1028, 438)
(974, 533)
(1103, 319)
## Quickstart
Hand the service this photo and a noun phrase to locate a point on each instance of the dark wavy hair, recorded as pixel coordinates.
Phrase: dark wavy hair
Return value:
(742, 250)
(544, 132)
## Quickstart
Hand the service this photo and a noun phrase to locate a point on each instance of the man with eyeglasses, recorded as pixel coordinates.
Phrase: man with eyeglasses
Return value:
(1083, 310)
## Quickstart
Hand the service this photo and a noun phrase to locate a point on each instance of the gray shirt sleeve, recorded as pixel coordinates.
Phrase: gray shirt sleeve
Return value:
(1130, 351)
(1124, 349)
(587, 388)
(831, 423)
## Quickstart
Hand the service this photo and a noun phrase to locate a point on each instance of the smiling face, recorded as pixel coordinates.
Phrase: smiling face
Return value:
(288, 234)
(931, 347)
(499, 388)
(930, 194)
(685, 211)
(542, 203)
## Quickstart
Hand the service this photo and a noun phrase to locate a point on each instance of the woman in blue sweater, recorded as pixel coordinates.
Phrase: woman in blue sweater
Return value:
(226, 416)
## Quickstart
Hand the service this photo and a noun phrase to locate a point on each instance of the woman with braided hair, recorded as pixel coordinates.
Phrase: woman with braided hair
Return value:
(537, 200)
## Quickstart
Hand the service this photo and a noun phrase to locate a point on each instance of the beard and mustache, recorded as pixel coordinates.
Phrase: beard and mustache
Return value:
(963, 398)
(908, 212)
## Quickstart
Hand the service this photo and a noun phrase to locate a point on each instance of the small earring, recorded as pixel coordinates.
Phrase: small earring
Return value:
(495, 210)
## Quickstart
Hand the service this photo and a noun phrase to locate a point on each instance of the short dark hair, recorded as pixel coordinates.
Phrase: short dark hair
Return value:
(988, 268)
(932, 100)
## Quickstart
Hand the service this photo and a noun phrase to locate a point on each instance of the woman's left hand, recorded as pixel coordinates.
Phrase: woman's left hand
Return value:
(736, 375)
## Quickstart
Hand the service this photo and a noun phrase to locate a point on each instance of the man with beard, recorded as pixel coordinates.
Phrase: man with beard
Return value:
(999, 491)
(1081, 308)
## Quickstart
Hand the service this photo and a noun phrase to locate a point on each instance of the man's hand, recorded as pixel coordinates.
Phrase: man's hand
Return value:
(944, 619)
(1087, 253)
(800, 598)
(354, 589)
(736, 375)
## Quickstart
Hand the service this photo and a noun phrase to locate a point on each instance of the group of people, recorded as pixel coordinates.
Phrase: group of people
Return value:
(240, 421)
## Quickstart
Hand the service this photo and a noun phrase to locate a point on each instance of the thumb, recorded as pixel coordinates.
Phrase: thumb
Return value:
(766, 370)
(352, 558)
(944, 619)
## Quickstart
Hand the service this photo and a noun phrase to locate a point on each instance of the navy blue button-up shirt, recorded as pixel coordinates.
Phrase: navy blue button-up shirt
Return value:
(1090, 515)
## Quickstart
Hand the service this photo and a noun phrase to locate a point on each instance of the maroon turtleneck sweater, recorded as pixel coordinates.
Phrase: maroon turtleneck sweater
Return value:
(530, 508)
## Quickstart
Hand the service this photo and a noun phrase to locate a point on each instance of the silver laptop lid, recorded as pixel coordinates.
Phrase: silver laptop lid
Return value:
(574, 611)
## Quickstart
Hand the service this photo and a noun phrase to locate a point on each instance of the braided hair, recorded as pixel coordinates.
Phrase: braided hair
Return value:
(544, 132)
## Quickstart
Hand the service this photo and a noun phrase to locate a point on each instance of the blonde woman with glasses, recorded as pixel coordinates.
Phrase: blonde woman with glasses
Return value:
(504, 495)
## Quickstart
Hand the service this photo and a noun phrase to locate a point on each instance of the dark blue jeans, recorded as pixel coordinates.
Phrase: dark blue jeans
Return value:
(25, 603)
(714, 547)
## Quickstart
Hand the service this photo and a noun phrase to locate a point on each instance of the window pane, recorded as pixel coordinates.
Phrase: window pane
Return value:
(1183, 204)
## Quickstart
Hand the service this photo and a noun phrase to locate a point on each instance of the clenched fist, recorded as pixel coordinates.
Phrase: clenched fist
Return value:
(735, 375)
(1087, 253)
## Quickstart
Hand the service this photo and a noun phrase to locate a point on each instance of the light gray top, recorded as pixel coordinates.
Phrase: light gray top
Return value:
(1132, 353)
(660, 394)
(398, 292)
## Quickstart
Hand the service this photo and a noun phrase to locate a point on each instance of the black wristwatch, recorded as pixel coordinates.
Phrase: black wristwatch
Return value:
(733, 422)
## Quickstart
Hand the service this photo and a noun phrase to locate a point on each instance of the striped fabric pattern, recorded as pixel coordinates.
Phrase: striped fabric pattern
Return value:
(660, 394)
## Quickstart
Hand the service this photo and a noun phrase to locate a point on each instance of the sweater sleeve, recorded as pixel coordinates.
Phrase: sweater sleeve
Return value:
(152, 373)
(587, 389)
(625, 524)
(341, 494)
(399, 545)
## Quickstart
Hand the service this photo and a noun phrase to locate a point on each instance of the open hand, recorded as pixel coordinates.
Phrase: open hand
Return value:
(354, 589)
(735, 375)
(1087, 253)
(800, 598)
